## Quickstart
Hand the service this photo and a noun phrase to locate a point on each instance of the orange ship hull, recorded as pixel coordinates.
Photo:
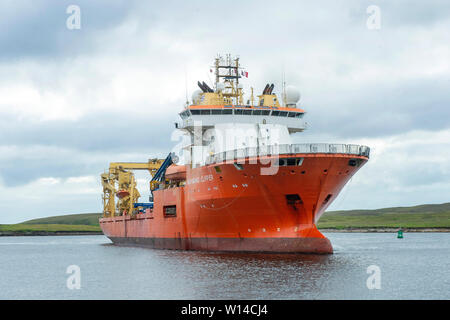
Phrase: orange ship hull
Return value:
(224, 207)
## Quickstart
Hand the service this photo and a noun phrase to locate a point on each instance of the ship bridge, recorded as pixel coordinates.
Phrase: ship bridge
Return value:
(211, 115)
(219, 118)
(224, 102)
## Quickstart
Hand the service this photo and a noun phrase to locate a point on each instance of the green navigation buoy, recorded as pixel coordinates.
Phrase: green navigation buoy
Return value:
(400, 234)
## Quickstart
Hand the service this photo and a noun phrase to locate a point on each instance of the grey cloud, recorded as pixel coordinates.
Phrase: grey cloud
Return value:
(321, 44)
(62, 147)
(27, 206)
(40, 162)
(415, 13)
(382, 110)
(95, 132)
(38, 29)
(401, 13)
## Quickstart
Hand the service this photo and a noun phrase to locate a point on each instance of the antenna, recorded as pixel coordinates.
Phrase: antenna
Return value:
(186, 85)
(230, 66)
(283, 85)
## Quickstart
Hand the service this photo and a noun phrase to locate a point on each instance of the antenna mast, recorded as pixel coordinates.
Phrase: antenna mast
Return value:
(230, 74)
(283, 85)
(186, 85)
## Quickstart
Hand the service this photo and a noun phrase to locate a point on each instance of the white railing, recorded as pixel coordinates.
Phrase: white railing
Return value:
(286, 149)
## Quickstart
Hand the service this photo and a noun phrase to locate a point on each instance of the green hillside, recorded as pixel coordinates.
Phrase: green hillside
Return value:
(90, 219)
(67, 224)
(421, 209)
(47, 228)
(422, 216)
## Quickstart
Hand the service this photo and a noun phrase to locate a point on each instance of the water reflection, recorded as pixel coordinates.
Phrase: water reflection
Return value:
(254, 275)
(35, 268)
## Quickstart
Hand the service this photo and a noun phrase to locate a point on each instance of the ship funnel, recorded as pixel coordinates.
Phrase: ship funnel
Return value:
(207, 87)
(200, 85)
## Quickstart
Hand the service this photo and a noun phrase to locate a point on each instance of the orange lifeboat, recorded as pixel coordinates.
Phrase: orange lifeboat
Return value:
(175, 172)
(122, 194)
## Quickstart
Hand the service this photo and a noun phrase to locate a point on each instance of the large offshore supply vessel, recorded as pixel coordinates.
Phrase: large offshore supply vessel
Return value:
(236, 182)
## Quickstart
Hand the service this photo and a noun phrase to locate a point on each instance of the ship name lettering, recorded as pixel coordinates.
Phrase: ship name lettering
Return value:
(205, 178)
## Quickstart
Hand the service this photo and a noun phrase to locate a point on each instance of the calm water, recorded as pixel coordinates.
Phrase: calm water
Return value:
(416, 267)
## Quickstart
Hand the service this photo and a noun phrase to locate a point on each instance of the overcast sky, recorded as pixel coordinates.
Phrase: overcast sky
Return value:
(73, 100)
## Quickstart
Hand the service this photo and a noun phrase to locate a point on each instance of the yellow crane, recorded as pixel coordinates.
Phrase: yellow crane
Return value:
(119, 181)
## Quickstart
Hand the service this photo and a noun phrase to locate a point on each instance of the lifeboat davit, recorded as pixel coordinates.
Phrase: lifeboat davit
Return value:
(122, 194)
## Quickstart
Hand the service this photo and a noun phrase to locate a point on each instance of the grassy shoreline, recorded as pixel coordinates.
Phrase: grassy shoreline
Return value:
(21, 229)
(92, 233)
(43, 233)
(422, 218)
(381, 230)
(72, 230)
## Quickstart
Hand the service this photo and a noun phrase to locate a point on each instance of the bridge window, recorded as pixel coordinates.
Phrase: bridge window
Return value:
(195, 112)
(299, 115)
(290, 161)
(275, 113)
(247, 112)
(257, 112)
(216, 111)
(283, 113)
(227, 111)
(185, 114)
(207, 111)
(266, 112)
(354, 162)
(238, 111)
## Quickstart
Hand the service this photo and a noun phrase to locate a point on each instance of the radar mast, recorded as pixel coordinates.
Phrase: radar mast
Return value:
(228, 69)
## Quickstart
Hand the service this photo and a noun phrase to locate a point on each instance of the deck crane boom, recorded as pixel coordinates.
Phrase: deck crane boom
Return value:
(119, 181)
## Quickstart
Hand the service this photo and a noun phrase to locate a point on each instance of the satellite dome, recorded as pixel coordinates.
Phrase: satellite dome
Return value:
(196, 95)
(292, 96)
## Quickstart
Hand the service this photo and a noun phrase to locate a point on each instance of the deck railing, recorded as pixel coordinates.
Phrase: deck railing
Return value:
(286, 149)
